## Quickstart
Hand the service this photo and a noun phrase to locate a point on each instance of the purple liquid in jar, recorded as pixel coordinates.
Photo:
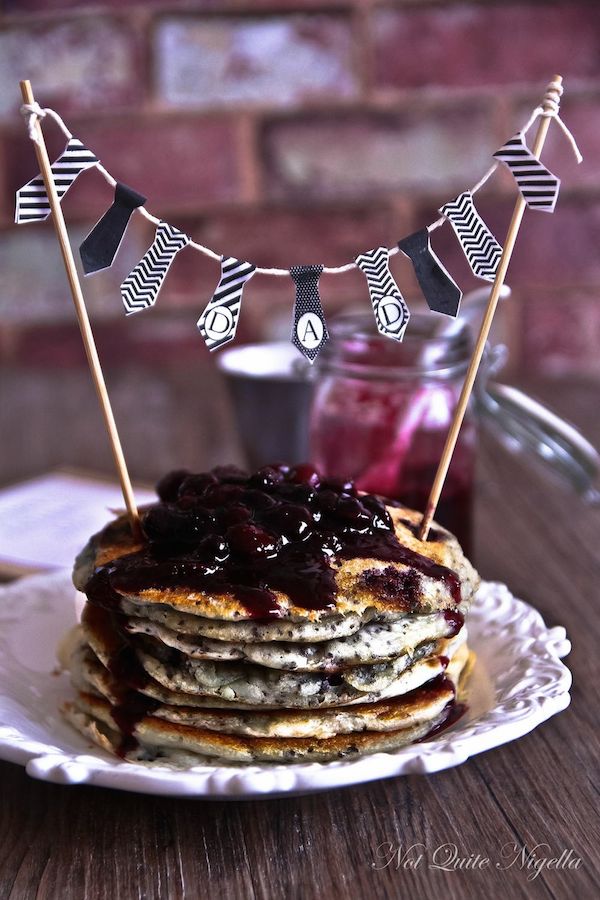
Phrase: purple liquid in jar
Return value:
(381, 414)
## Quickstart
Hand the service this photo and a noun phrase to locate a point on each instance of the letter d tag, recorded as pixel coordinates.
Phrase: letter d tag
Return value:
(391, 311)
(218, 322)
(309, 332)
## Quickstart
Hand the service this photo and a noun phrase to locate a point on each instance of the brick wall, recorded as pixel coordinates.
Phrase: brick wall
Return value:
(280, 132)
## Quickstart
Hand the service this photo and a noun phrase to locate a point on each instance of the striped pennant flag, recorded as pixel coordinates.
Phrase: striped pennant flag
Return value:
(309, 332)
(479, 244)
(218, 322)
(140, 288)
(537, 184)
(32, 201)
(390, 309)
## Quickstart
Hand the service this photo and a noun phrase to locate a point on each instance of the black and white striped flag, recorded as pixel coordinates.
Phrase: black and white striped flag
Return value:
(140, 288)
(537, 184)
(391, 312)
(479, 244)
(32, 201)
(218, 322)
(309, 332)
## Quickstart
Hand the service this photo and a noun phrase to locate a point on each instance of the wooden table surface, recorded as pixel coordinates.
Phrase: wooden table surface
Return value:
(83, 842)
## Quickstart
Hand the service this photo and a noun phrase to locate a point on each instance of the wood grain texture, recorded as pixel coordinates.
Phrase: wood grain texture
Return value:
(79, 842)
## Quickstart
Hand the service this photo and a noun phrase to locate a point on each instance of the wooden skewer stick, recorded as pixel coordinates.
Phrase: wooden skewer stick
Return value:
(511, 237)
(82, 317)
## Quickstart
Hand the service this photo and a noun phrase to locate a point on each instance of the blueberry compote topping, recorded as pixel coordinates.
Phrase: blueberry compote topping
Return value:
(280, 529)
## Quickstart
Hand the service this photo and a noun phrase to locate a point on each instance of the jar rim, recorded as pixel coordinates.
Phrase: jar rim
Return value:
(442, 349)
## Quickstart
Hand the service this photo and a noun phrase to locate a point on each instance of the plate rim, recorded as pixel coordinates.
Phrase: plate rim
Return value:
(524, 708)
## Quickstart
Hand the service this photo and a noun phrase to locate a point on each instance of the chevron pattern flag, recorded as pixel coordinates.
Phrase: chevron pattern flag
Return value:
(218, 322)
(439, 289)
(140, 288)
(32, 201)
(537, 184)
(309, 333)
(391, 312)
(479, 244)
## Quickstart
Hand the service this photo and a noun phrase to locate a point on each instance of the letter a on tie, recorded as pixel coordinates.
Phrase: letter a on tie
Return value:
(218, 322)
(309, 333)
(391, 311)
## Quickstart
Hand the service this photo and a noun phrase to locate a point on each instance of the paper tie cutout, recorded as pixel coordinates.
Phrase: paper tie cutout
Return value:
(390, 309)
(32, 201)
(479, 245)
(218, 322)
(309, 333)
(140, 288)
(100, 247)
(441, 292)
(537, 184)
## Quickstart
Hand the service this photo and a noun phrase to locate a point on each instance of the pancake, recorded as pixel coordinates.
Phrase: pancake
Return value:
(167, 742)
(382, 715)
(375, 642)
(328, 628)
(273, 617)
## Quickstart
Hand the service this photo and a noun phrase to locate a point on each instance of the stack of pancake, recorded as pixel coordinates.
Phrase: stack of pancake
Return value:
(272, 617)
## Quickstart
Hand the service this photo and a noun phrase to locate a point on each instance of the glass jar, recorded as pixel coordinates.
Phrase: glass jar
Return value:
(382, 409)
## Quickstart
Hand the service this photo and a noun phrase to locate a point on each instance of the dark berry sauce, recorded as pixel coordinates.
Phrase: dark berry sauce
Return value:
(128, 677)
(279, 529)
(453, 711)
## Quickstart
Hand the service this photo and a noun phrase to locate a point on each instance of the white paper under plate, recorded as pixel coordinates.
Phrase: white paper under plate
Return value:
(518, 682)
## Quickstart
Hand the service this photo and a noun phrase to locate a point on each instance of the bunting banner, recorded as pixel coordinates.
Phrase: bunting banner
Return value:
(537, 184)
(218, 322)
(141, 287)
(441, 292)
(32, 201)
(479, 245)
(390, 309)
(219, 319)
(309, 332)
(100, 247)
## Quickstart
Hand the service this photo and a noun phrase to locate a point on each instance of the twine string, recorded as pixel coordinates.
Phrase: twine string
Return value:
(550, 107)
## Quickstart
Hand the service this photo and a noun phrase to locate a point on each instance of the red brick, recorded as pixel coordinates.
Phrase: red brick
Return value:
(73, 65)
(464, 45)
(131, 340)
(271, 236)
(277, 61)
(364, 155)
(46, 6)
(178, 164)
(559, 249)
(561, 333)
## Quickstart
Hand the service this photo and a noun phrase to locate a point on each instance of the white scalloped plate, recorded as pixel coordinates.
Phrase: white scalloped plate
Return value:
(518, 682)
